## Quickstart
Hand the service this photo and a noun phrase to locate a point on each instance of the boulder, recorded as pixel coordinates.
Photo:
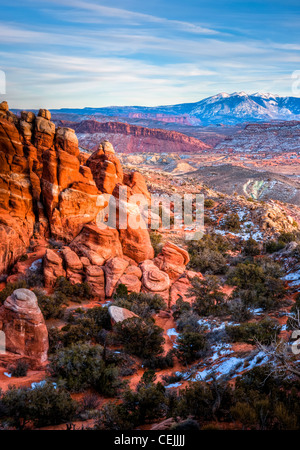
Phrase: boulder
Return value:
(24, 326)
(118, 314)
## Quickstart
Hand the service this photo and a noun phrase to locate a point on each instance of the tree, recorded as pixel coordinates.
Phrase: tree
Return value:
(81, 366)
(139, 338)
(44, 405)
(208, 297)
(190, 346)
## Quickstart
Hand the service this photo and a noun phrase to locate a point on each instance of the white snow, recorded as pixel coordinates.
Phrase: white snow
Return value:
(174, 385)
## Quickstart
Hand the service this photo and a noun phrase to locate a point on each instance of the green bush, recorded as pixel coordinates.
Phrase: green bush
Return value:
(208, 297)
(265, 332)
(81, 366)
(10, 288)
(232, 222)
(147, 404)
(72, 292)
(19, 369)
(251, 247)
(190, 346)
(52, 306)
(208, 254)
(258, 284)
(208, 203)
(44, 405)
(139, 338)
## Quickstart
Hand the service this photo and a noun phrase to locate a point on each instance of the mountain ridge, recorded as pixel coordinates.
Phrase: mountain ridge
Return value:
(237, 107)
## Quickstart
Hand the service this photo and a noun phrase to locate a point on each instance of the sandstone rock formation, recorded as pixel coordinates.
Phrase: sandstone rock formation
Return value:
(106, 168)
(23, 324)
(53, 268)
(154, 280)
(136, 139)
(172, 260)
(114, 269)
(118, 314)
(96, 244)
(96, 279)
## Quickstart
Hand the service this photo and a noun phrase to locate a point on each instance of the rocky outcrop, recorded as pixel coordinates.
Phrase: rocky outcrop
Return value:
(16, 201)
(53, 268)
(96, 279)
(98, 245)
(68, 189)
(23, 324)
(106, 168)
(114, 269)
(154, 280)
(172, 260)
(74, 266)
(135, 139)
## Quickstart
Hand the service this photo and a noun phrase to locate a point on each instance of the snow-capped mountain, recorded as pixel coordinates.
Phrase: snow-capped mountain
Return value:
(221, 108)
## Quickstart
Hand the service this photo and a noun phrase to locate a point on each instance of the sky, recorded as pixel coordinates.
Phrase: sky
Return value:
(75, 53)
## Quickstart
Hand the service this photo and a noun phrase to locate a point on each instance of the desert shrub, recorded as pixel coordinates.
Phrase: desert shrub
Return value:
(100, 316)
(81, 366)
(139, 338)
(121, 291)
(190, 346)
(89, 402)
(258, 284)
(43, 405)
(172, 378)
(10, 288)
(52, 306)
(160, 362)
(208, 203)
(205, 401)
(188, 322)
(239, 311)
(208, 254)
(24, 257)
(83, 330)
(72, 292)
(273, 246)
(264, 332)
(232, 222)
(147, 404)
(251, 247)
(156, 242)
(142, 304)
(208, 297)
(180, 307)
(19, 369)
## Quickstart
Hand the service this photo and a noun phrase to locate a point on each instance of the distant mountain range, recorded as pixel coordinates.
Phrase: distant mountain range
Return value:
(222, 108)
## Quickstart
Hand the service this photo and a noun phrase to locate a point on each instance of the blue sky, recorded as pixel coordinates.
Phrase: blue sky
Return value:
(75, 53)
